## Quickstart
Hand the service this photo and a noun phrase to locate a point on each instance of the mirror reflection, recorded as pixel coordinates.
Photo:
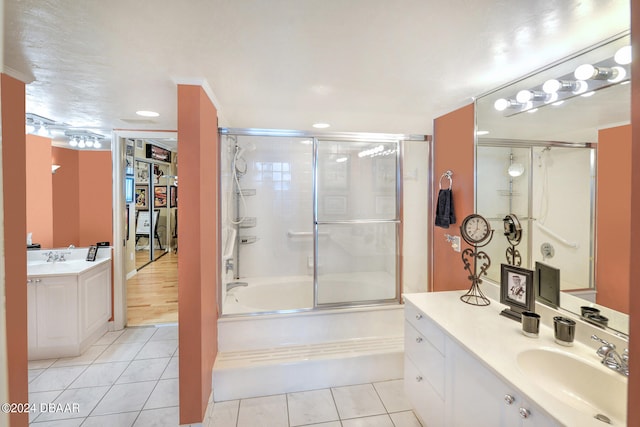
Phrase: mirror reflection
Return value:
(558, 161)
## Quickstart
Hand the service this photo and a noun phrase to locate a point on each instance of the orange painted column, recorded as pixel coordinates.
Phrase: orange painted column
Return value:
(66, 203)
(633, 409)
(15, 233)
(454, 150)
(198, 241)
(95, 189)
(39, 190)
(613, 215)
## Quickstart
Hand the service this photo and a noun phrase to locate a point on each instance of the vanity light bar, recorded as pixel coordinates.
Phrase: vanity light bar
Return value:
(587, 78)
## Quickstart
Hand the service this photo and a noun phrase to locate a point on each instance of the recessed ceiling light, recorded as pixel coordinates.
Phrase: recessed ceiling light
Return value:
(321, 125)
(145, 113)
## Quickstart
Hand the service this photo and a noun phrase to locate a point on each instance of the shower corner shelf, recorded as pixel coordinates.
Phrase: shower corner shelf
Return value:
(247, 240)
(247, 222)
(507, 193)
(247, 192)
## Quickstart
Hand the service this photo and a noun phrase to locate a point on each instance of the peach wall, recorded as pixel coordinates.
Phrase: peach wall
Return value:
(453, 149)
(613, 214)
(39, 190)
(634, 253)
(198, 262)
(66, 203)
(15, 229)
(95, 182)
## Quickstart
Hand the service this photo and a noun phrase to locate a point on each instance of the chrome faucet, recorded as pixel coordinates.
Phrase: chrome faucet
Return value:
(232, 285)
(52, 256)
(610, 357)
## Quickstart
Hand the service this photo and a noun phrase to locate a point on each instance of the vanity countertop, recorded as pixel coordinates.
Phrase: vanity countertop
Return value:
(496, 341)
(75, 263)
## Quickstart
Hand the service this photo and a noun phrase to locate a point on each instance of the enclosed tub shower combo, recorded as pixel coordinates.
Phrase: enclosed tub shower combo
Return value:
(311, 235)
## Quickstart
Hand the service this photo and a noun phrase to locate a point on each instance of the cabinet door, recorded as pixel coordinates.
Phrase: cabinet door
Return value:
(32, 316)
(477, 395)
(57, 307)
(94, 288)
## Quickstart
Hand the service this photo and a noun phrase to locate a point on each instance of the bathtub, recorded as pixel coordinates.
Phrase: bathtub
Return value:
(270, 294)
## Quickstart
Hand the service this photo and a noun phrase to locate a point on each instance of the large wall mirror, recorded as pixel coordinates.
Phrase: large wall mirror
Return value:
(538, 143)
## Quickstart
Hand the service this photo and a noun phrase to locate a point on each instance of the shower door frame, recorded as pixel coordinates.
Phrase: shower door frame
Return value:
(530, 145)
(342, 137)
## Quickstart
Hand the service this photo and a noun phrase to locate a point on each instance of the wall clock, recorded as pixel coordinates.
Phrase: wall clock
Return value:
(477, 232)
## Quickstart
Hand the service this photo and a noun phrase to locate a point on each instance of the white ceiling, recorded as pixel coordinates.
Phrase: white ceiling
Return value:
(361, 65)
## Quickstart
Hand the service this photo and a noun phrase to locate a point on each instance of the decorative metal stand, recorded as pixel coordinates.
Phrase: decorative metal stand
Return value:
(513, 233)
(475, 296)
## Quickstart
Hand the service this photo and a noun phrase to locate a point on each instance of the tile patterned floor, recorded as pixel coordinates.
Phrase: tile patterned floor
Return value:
(130, 378)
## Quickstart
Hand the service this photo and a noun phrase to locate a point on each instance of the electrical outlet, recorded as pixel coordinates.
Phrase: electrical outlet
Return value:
(455, 243)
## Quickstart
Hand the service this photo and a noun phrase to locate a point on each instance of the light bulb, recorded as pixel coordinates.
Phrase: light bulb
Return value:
(581, 87)
(585, 72)
(73, 142)
(501, 104)
(515, 169)
(619, 74)
(97, 144)
(524, 96)
(89, 143)
(551, 86)
(30, 128)
(81, 144)
(42, 131)
(623, 55)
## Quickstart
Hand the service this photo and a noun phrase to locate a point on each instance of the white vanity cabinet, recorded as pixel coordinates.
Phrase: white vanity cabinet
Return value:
(448, 386)
(66, 313)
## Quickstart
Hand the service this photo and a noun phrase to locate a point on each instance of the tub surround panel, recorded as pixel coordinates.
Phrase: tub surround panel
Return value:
(12, 96)
(453, 149)
(197, 269)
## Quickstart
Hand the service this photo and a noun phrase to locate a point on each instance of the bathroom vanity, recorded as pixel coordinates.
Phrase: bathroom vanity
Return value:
(69, 302)
(466, 365)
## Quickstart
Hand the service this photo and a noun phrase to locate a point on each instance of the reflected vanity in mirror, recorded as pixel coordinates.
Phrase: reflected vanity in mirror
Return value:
(553, 149)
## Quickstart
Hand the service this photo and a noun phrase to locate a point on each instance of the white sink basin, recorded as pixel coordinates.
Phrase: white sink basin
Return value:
(59, 268)
(587, 386)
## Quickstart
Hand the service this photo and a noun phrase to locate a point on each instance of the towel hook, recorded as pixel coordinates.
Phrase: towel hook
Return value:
(447, 175)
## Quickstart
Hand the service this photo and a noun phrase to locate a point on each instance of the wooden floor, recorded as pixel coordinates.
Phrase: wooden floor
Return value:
(152, 294)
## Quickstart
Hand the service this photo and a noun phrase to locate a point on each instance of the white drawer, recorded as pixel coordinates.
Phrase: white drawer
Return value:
(429, 361)
(428, 406)
(425, 326)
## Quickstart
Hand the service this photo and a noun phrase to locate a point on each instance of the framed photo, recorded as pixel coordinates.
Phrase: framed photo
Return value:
(173, 196)
(516, 291)
(91, 253)
(160, 196)
(142, 198)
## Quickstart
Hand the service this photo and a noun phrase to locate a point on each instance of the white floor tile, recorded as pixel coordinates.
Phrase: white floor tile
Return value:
(172, 369)
(34, 373)
(392, 395)
(405, 419)
(85, 358)
(270, 411)
(119, 352)
(357, 401)
(375, 421)
(125, 419)
(144, 370)
(75, 422)
(41, 364)
(163, 417)
(225, 414)
(37, 398)
(169, 332)
(108, 338)
(56, 378)
(141, 334)
(125, 398)
(164, 395)
(153, 349)
(311, 407)
(100, 374)
(85, 398)
(329, 424)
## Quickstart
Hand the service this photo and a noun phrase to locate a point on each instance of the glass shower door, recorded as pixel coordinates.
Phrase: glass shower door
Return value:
(357, 222)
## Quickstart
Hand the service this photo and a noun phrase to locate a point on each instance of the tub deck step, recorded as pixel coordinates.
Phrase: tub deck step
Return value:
(286, 369)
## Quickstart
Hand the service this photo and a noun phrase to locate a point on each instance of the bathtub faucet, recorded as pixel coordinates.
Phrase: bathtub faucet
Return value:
(232, 285)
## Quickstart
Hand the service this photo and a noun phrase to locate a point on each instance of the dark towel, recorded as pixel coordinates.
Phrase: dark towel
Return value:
(444, 210)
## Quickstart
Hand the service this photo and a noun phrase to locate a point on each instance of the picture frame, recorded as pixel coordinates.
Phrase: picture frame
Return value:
(173, 196)
(91, 253)
(141, 197)
(516, 291)
(160, 196)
